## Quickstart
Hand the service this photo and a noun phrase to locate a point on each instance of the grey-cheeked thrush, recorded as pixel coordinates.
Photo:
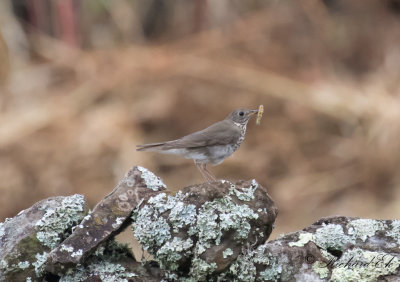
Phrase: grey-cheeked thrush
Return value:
(208, 146)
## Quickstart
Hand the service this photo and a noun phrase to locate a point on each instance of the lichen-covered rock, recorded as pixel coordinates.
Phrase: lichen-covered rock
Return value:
(107, 219)
(207, 232)
(332, 249)
(27, 239)
(202, 230)
(112, 262)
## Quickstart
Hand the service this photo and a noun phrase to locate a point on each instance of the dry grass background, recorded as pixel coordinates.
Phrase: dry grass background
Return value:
(327, 74)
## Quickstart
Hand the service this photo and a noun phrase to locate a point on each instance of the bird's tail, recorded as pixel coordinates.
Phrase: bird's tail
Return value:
(151, 147)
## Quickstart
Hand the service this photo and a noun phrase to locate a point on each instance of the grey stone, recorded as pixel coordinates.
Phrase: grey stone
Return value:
(112, 262)
(108, 218)
(207, 232)
(203, 229)
(332, 249)
(27, 239)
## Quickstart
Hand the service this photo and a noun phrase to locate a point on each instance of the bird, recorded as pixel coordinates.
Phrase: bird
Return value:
(211, 145)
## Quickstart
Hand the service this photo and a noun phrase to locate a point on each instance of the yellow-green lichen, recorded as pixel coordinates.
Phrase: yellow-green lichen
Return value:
(150, 228)
(394, 232)
(244, 194)
(182, 215)
(156, 224)
(244, 268)
(155, 232)
(331, 236)
(228, 252)
(200, 269)
(24, 251)
(364, 228)
(172, 251)
(304, 238)
(104, 264)
(221, 215)
(271, 272)
(72, 252)
(23, 264)
(107, 272)
(152, 181)
(321, 269)
(361, 265)
(33, 240)
(59, 219)
(40, 263)
(3, 264)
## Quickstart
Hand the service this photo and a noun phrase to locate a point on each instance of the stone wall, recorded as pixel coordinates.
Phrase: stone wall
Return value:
(208, 232)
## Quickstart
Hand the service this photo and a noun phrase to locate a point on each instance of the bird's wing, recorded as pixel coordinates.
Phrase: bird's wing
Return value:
(220, 133)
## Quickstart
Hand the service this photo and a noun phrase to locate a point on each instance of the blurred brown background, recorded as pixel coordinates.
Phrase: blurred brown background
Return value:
(83, 82)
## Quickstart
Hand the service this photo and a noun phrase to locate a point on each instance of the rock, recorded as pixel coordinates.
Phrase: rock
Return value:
(202, 230)
(27, 239)
(112, 262)
(207, 232)
(106, 220)
(332, 249)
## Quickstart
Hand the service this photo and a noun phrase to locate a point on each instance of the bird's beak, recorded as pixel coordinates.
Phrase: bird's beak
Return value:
(253, 112)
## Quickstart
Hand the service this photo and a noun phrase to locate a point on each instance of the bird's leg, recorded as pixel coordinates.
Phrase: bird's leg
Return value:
(203, 173)
(209, 173)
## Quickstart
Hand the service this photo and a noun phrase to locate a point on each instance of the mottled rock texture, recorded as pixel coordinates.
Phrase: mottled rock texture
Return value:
(200, 231)
(206, 232)
(107, 219)
(332, 249)
(112, 262)
(27, 239)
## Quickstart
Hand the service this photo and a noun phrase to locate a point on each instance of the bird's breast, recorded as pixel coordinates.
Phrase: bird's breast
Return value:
(242, 128)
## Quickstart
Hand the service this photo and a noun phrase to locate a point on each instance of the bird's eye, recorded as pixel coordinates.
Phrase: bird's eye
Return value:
(241, 114)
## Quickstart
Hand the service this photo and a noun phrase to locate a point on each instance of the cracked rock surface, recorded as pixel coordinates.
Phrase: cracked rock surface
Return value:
(27, 239)
(332, 249)
(107, 219)
(206, 232)
(201, 230)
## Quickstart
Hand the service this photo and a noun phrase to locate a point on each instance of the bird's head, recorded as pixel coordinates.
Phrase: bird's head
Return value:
(241, 115)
